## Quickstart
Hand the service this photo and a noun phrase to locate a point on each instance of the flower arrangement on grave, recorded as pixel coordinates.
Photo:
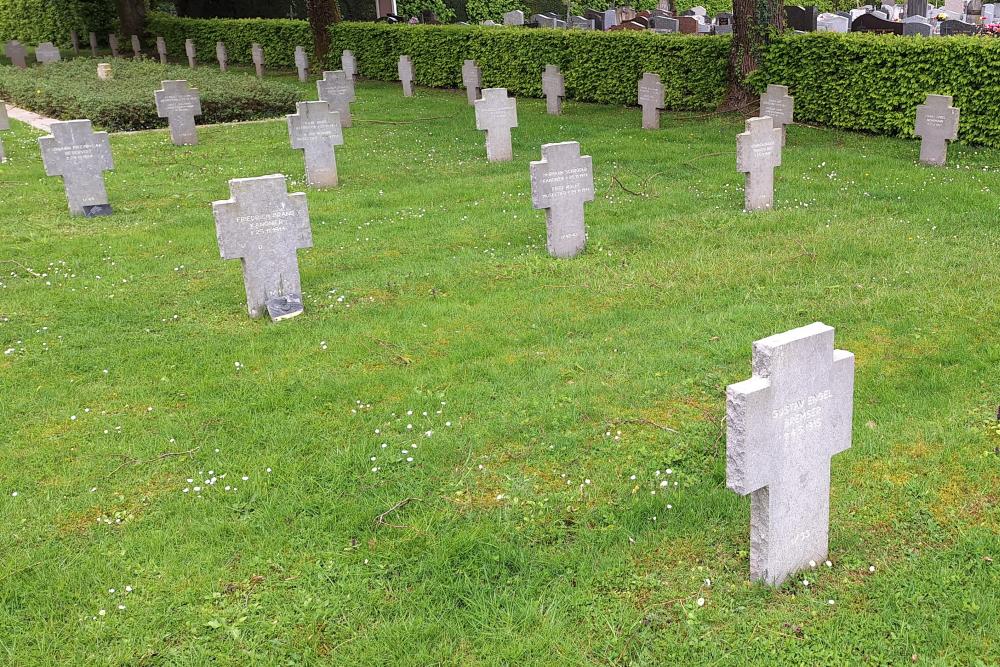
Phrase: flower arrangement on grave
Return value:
(942, 17)
(990, 29)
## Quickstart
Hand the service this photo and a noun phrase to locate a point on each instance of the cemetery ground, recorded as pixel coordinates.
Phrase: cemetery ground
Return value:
(183, 485)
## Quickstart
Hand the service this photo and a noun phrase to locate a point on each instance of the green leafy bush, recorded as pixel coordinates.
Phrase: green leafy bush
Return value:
(34, 21)
(409, 8)
(492, 10)
(71, 89)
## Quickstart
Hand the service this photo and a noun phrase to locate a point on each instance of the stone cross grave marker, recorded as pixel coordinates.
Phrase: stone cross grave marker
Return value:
(113, 44)
(302, 63)
(93, 43)
(497, 114)
(405, 69)
(161, 50)
(651, 100)
(315, 129)
(17, 53)
(257, 54)
(4, 125)
(81, 156)
(554, 89)
(779, 105)
(263, 226)
(561, 182)
(758, 152)
(937, 124)
(191, 52)
(46, 53)
(472, 80)
(74, 39)
(349, 64)
(179, 104)
(783, 425)
(337, 90)
(222, 55)
(136, 46)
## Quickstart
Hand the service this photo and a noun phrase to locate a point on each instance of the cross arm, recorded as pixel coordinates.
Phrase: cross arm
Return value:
(843, 386)
(746, 438)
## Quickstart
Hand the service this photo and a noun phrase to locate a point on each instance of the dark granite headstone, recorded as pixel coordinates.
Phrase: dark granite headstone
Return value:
(869, 23)
(802, 19)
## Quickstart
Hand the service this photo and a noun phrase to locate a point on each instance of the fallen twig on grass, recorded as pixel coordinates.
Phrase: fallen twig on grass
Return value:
(129, 460)
(805, 253)
(644, 422)
(23, 267)
(380, 519)
(704, 155)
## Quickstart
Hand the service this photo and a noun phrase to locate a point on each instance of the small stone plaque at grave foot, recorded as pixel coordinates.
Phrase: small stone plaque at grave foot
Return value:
(284, 307)
(96, 210)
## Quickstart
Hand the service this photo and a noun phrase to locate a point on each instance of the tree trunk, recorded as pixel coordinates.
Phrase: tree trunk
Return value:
(755, 23)
(131, 17)
(322, 14)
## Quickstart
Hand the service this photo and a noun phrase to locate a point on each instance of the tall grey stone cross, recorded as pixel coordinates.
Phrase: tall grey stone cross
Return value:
(92, 37)
(349, 64)
(497, 114)
(81, 156)
(782, 427)
(560, 183)
(758, 152)
(405, 70)
(222, 55)
(136, 46)
(472, 80)
(937, 124)
(263, 226)
(74, 39)
(113, 44)
(651, 100)
(337, 90)
(179, 104)
(316, 129)
(554, 89)
(302, 63)
(4, 125)
(779, 105)
(161, 50)
(191, 52)
(257, 55)
(17, 53)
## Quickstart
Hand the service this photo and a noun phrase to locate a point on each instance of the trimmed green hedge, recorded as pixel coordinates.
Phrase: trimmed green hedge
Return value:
(35, 21)
(279, 37)
(875, 82)
(598, 66)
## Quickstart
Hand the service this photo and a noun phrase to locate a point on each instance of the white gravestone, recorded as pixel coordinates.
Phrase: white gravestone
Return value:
(161, 50)
(472, 80)
(222, 56)
(136, 46)
(93, 43)
(758, 152)
(81, 156)
(937, 124)
(257, 55)
(337, 90)
(779, 106)
(349, 64)
(515, 17)
(651, 100)
(190, 51)
(113, 44)
(782, 427)
(554, 88)
(302, 63)
(561, 182)
(4, 125)
(497, 114)
(832, 23)
(263, 226)
(316, 129)
(17, 53)
(104, 72)
(179, 105)
(405, 70)
(46, 53)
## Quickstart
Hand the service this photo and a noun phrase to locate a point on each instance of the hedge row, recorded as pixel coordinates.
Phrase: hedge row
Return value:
(35, 21)
(874, 83)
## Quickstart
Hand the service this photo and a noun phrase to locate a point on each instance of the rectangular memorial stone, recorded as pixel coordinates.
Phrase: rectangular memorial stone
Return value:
(302, 63)
(472, 80)
(666, 24)
(872, 23)
(337, 90)
(554, 88)
(179, 104)
(405, 70)
(497, 114)
(955, 27)
(917, 28)
(190, 51)
(802, 19)
(80, 155)
(349, 64)
(758, 152)
(916, 8)
(257, 55)
(833, 23)
(316, 129)
(4, 125)
(222, 56)
(136, 46)
(723, 23)
(17, 53)
(93, 44)
(651, 100)
(779, 105)
(687, 25)
(937, 124)
(263, 226)
(161, 50)
(74, 39)
(113, 44)
(783, 425)
(515, 17)
(46, 53)
(561, 182)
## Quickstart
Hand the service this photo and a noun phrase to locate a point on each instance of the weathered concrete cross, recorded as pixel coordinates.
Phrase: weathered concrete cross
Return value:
(4, 125)
(337, 90)
(136, 46)
(937, 124)
(17, 53)
(222, 55)
(472, 79)
(758, 152)
(179, 104)
(191, 52)
(783, 426)
(263, 226)
(779, 105)
(81, 156)
(113, 44)
(554, 89)
(93, 43)
(497, 114)
(651, 100)
(349, 64)
(316, 129)
(405, 70)
(302, 63)
(46, 53)
(74, 39)
(560, 183)
(161, 50)
(257, 55)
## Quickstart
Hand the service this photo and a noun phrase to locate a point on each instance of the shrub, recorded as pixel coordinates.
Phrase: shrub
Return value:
(411, 8)
(492, 10)
(71, 89)
(34, 21)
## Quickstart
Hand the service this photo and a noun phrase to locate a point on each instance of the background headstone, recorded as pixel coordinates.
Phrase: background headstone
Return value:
(315, 129)
(337, 90)
(937, 124)
(651, 100)
(779, 105)
(919, 28)
(4, 125)
(802, 19)
(190, 51)
(302, 63)
(561, 182)
(81, 156)
(74, 39)
(257, 55)
(515, 17)
(916, 8)
(93, 44)
(783, 425)
(833, 23)
(758, 152)
(17, 53)
(46, 53)
(136, 46)
(161, 50)
(179, 104)
(104, 72)
(349, 64)
(405, 70)
(472, 80)
(222, 56)
(497, 114)
(113, 44)
(554, 88)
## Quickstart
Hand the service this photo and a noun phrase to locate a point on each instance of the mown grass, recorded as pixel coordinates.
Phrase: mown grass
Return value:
(431, 291)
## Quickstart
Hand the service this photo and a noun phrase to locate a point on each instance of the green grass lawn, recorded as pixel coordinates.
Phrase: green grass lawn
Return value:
(531, 526)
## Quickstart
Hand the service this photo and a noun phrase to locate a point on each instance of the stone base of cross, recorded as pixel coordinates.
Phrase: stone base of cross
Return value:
(758, 153)
(937, 124)
(561, 182)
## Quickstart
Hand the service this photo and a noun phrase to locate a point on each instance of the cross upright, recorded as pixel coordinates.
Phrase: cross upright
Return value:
(190, 51)
(937, 124)
(405, 69)
(81, 156)
(221, 55)
(472, 79)
(136, 46)
(179, 104)
(554, 88)
(779, 105)
(257, 55)
(758, 152)
(113, 44)
(783, 425)
(46, 53)
(497, 114)
(161, 50)
(263, 226)
(17, 53)
(74, 39)
(337, 90)
(93, 43)
(349, 64)
(651, 100)
(315, 129)
(560, 183)
(302, 63)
